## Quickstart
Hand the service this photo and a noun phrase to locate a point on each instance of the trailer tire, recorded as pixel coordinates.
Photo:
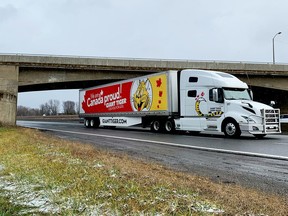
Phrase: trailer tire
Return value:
(231, 128)
(87, 123)
(94, 123)
(169, 126)
(156, 126)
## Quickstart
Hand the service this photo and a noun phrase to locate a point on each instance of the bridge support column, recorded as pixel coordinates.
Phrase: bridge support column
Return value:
(8, 94)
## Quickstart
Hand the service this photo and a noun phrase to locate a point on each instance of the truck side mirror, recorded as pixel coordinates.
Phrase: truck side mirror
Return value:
(250, 93)
(215, 94)
(220, 95)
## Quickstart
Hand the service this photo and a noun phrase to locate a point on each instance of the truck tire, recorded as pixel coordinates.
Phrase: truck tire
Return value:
(231, 128)
(156, 126)
(87, 123)
(94, 123)
(169, 126)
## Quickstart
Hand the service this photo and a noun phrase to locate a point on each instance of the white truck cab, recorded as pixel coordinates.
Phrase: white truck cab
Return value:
(217, 101)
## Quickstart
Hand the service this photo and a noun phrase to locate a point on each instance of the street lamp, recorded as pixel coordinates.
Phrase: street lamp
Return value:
(273, 46)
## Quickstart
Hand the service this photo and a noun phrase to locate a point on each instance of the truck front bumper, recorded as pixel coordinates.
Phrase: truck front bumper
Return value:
(254, 128)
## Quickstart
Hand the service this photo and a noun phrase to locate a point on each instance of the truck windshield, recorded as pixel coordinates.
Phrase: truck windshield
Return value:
(236, 94)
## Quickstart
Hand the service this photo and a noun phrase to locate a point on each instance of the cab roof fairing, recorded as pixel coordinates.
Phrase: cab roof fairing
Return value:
(214, 79)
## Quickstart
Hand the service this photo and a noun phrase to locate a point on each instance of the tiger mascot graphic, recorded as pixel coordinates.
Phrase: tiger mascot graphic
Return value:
(200, 98)
(141, 97)
(197, 105)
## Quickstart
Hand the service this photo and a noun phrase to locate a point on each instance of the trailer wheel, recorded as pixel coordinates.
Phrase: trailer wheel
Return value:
(87, 123)
(231, 128)
(94, 123)
(156, 126)
(169, 126)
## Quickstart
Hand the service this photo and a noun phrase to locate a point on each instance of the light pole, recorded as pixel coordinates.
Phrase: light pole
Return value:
(273, 46)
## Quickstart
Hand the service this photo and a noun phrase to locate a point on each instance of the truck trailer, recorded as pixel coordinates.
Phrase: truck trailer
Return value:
(187, 100)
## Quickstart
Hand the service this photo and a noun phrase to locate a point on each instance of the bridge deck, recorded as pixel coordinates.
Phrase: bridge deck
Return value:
(130, 64)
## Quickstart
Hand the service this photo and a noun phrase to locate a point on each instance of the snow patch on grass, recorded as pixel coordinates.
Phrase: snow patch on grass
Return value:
(37, 199)
(32, 197)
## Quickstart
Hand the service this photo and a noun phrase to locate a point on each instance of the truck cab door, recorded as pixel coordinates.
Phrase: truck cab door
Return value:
(196, 102)
(216, 103)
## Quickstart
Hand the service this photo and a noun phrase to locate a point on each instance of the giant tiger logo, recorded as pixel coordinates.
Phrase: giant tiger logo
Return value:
(142, 97)
(213, 111)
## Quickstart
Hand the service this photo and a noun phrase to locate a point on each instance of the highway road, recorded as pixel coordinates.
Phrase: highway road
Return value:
(247, 161)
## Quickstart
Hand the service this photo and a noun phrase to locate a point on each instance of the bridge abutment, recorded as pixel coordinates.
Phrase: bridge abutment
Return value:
(8, 94)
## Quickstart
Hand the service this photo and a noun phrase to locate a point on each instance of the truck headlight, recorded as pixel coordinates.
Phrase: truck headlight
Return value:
(249, 120)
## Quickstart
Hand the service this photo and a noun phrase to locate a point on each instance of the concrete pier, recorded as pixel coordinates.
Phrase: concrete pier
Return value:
(8, 94)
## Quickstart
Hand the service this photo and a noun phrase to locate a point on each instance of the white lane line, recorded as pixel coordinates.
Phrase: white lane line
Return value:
(174, 144)
(281, 143)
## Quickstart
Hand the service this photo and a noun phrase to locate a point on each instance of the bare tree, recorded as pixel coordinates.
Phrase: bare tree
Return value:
(22, 111)
(54, 106)
(51, 107)
(77, 107)
(44, 109)
(26, 111)
(34, 112)
(69, 107)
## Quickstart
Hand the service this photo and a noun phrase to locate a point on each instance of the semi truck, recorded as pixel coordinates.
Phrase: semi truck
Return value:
(187, 100)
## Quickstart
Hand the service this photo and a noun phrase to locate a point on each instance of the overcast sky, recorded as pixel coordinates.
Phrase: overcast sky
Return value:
(224, 30)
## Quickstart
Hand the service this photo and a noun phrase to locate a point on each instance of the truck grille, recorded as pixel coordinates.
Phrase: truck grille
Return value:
(271, 120)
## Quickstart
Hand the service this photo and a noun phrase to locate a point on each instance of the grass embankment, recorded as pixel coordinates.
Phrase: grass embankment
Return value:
(43, 175)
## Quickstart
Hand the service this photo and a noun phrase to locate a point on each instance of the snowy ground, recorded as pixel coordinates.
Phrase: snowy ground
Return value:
(39, 199)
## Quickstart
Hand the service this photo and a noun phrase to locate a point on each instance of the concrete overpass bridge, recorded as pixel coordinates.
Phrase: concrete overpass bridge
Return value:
(21, 73)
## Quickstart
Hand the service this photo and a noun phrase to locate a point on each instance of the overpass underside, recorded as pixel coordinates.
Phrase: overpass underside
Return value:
(48, 79)
(35, 79)
(269, 88)
(266, 88)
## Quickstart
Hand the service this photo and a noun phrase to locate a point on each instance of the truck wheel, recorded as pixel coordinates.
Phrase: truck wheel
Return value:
(94, 123)
(169, 126)
(156, 126)
(231, 129)
(87, 123)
